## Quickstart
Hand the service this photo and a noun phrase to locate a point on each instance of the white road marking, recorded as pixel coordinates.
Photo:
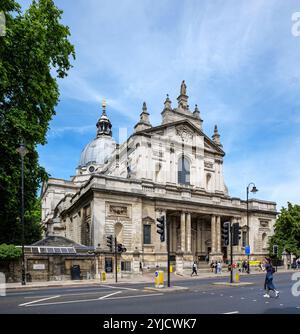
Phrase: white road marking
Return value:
(119, 287)
(111, 294)
(70, 294)
(85, 289)
(92, 300)
(298, 307)
(212, 293)
(138, 296)
(234, 312)
(254, 300)
(231, 296)
(39, 300)
(267, 302)
(221, 295)
(242, 298)
(281, 304)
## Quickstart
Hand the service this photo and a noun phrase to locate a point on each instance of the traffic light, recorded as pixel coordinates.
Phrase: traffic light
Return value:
(236, 235)
(225, 233)
(161, 228)
(275, 250)
(109, 242)
(121, 248)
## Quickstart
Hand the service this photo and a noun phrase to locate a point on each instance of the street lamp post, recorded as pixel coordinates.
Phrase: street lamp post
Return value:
(22, 150)
(253, 190)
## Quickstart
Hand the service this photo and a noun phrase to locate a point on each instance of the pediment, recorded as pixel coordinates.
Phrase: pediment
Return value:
(210, 146)
(186, 130)
(148, 220)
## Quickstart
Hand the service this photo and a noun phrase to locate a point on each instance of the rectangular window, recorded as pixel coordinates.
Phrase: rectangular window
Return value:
(244, 239)
(125, 266)
(108, 265)
(147, 234)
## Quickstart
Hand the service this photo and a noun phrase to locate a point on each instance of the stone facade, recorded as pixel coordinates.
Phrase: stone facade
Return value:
(174, 170)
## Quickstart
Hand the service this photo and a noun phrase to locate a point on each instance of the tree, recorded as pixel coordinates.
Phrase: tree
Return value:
(9, 252)
(287, 231)
(34, 53)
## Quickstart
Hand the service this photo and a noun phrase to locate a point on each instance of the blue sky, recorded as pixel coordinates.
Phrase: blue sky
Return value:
(241, 64)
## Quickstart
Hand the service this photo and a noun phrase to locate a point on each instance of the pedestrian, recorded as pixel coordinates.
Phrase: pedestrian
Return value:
(216, 267)
(207, 259)
(269, 285)
(194, 269)
(212, 267)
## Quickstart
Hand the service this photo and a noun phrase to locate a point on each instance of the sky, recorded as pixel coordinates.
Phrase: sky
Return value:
(240, 60)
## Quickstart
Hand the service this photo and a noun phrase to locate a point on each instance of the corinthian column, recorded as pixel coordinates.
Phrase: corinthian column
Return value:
(182, 231)
(199, 237)
(188, 233)
(218, 232)
(213, 234)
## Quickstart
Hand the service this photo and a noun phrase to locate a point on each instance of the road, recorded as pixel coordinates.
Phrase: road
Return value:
(202, 297)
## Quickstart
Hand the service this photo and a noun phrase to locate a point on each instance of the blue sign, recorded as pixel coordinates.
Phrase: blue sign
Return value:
(247, 250)
(156, 274)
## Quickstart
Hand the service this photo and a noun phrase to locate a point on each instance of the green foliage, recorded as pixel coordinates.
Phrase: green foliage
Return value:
(9, 252)
(34, 52)
(287, 231)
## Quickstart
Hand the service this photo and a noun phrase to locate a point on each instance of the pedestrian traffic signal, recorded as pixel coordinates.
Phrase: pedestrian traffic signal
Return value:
(236, 234)
(161, 228)
(109, 242)
(275, 250)
(225, 233)
(121, 248)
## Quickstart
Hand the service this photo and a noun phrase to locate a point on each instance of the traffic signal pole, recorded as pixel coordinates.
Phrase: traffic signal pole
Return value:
(231, 252)
(168, 250)
(116, 261)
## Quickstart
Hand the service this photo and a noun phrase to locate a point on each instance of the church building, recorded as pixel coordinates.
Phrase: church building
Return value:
(173, 170)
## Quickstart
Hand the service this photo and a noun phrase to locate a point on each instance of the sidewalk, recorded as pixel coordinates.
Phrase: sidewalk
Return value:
(145, 278)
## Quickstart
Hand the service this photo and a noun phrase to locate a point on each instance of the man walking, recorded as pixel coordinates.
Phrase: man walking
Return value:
(194, 269)
(269, 285)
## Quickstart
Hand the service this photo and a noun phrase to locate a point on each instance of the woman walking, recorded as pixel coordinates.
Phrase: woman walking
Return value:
(269, 285)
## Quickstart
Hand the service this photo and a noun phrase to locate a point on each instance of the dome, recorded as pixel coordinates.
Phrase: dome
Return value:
(97, 151)
(101, 148)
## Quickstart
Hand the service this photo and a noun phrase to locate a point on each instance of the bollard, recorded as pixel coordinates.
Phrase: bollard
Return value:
(103, 276)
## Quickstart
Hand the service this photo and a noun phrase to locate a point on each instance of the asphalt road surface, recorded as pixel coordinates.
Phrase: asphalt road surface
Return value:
(202, 297)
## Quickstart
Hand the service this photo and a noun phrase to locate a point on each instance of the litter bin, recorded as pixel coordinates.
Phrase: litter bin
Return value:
(75, 272)
(159, 279)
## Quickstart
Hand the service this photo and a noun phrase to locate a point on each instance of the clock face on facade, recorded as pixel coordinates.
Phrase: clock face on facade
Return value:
(91, 169)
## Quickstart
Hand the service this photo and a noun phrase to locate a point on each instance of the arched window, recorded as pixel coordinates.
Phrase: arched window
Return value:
(183, 171)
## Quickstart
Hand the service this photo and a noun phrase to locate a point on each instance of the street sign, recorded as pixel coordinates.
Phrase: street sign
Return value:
(247, 250)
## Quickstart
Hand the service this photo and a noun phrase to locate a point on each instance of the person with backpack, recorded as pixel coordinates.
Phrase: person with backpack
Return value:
(269, 285)
(194, 269)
